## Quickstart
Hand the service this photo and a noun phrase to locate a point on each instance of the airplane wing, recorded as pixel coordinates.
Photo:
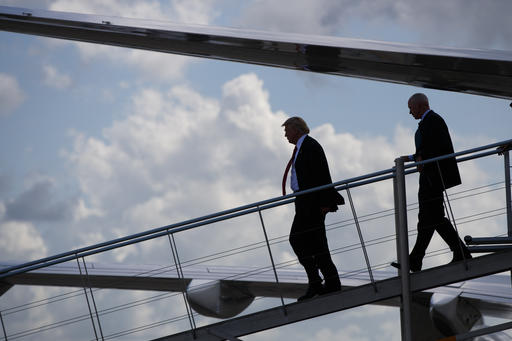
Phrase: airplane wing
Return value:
(253, 281)
(492, 295)
(474, 71)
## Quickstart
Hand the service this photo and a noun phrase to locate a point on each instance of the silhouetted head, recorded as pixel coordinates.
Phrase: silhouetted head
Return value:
(294, 128)
(418, 104)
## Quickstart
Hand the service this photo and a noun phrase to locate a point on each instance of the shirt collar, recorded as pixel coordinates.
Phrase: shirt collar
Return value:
(424, 114)
(300, 140)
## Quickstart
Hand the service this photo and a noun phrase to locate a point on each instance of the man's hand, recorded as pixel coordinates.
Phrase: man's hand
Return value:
(418, 159)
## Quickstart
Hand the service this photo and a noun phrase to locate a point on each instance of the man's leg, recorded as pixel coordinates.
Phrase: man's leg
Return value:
(300, 242)
(420, 247)
(432, 217)
(306, 259)
(323, 256)
(450, 237)
(444, 227)
(427, 219)
(328, 269)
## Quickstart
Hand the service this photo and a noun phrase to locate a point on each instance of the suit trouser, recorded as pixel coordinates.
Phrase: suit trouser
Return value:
(431, 217)
(309, 242)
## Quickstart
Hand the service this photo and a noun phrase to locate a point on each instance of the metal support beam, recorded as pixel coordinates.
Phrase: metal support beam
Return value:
(222, 335)
(403, 251)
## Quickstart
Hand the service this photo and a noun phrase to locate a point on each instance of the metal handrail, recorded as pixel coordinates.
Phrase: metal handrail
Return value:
(231, 213)
(464, 152)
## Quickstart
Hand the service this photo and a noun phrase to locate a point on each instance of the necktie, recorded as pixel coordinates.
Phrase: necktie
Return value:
(285, 175)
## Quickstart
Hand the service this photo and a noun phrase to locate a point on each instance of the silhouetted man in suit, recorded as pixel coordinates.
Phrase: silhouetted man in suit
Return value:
(308, 239)
(432, 139)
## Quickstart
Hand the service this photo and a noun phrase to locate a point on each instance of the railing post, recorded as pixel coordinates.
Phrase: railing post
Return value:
(179, 271)
(92, 297)
(508, 199)
(361, 239)
(506, 158)
(86, 297)
(403, 251)
(3, 326)
(272, 261)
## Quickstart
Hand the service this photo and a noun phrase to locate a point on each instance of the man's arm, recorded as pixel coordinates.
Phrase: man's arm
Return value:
(317, 172)
(417, 158)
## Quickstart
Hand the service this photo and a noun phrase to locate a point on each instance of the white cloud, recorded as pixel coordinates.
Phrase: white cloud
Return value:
(187, 11)
(17, 319)
(39, 202)
(350, 332)
(129, 9)
(25, 3)
(2, 210)
(20, 241)
(369, 311)
(180, 154)
(55, 78)
(81, 211)
(302, 16)
(474, 23)
(153, 65)
(194, 11)
(11, 95)
(458, 23)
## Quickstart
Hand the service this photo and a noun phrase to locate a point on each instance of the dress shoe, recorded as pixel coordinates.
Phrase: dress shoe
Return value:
(458, 257)
(330, 287)
(398, 266)
(313, 290)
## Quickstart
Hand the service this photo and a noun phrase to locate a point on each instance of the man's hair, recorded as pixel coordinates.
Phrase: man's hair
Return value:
(419, 98)
(298, 123)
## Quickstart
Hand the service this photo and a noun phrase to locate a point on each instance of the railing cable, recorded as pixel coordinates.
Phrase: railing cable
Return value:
(87, 298)
(179, 270)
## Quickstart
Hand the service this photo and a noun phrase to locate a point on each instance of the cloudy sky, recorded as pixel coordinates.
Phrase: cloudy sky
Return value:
(100, 142)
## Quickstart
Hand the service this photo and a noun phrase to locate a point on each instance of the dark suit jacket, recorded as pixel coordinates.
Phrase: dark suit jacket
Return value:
(432, 139)
(312, 171)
